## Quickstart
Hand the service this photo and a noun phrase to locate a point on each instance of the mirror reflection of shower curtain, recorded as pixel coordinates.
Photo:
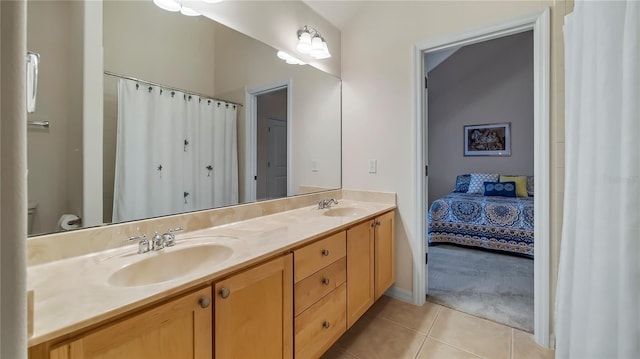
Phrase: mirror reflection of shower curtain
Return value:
(174, 153)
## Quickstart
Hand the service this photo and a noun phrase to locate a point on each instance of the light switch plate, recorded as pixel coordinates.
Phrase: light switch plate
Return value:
(373, 166)
(314, 165)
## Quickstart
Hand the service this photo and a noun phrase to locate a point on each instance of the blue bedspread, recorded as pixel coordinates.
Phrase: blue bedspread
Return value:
(492, 222)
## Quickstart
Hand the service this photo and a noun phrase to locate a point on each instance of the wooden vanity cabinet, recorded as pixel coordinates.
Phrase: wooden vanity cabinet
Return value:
(180, 328)
(384, 253)
(297, 304)
(320, 295)
(254, 311)
(370, 264)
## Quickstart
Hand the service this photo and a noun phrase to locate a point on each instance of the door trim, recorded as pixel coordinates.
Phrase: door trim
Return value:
(251, 136)
(539, 22)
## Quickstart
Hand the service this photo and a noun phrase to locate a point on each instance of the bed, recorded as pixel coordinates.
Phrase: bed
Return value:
(477, 220)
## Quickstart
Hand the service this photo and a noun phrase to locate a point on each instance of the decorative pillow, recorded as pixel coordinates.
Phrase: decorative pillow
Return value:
(476, 185)
(530, 186)
(521, 184)
(462, 183)
(504, 189)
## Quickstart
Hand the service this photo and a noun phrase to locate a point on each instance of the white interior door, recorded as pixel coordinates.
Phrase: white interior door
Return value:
(277, 158)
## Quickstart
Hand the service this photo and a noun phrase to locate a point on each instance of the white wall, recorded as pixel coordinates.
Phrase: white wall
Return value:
(379, 102)
(146, 42)
(54, 154)
(275, 23)
(487, 82)
(244, 64)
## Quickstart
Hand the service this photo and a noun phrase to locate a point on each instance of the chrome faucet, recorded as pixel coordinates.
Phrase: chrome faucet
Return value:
(157, 242)
(143, 244)
(326, 203)
(169, 237)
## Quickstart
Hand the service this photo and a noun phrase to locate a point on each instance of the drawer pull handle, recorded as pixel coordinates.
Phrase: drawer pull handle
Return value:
(204, 302)
(325, 281)
(325, 252)
(224, 293)
(326, 324)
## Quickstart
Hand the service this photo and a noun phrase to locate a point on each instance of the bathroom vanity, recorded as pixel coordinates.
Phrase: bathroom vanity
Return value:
(283, 285)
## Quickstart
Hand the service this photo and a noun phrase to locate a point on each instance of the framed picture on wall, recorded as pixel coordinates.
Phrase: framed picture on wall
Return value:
(487, 140)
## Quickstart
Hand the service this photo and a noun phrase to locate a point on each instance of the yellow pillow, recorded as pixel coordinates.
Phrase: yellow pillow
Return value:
(521, 184)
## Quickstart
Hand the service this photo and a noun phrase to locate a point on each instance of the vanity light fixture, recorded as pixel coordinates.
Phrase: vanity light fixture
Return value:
(289, 59)
(173, 6)
(188, 11)
(311, 42)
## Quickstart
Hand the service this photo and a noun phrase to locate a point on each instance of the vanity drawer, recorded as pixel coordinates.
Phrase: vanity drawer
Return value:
(318, 327)
(319, 284)
(315, 256)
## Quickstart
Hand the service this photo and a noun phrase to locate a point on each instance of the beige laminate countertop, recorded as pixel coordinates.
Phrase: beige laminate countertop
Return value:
(74, 293)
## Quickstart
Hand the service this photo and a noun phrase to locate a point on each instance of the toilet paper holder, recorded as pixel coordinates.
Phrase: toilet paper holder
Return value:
(74, 222)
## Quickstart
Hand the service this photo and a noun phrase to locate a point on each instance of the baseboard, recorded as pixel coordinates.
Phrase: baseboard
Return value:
(400, 294)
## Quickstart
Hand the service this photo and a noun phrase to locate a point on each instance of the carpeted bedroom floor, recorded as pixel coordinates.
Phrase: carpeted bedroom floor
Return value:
(485, 284)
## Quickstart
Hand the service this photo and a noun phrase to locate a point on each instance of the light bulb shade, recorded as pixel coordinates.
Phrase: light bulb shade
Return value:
(169, 5)
(304, 42)
(283, 55)
(325, 52)
(188, 11)
(289, 59)
(316, 47)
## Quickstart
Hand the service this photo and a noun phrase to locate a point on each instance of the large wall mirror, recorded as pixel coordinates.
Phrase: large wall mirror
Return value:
(279, 133)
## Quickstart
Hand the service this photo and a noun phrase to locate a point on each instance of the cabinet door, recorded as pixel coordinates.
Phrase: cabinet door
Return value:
(180, 328)
(254, 312)
(360, 263)
(385, 256)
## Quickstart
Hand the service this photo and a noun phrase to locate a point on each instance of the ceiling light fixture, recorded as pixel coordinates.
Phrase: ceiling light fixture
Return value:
(173, 6)
(311, 42)
(289, 59)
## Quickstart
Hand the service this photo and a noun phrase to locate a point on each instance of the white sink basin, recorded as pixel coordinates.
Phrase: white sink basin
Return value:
(345, 212)
(165, 266)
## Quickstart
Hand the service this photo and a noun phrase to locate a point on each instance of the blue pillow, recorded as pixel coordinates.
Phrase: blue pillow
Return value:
(462, 183)
(504, 189)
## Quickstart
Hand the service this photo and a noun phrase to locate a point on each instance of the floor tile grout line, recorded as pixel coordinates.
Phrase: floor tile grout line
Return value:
(428, 331)
(434, 320)
(465, 350)
(424, 340)
(401, 325)
(453, 346)
(511, 349)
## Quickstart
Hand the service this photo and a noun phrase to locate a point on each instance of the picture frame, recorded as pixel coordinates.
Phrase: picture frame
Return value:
(487, 140)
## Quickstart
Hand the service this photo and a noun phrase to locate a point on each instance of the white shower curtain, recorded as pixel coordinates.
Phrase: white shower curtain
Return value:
(166, 153)
(598, 296)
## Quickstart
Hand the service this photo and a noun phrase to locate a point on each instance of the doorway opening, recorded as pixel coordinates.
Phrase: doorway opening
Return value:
(481, 244)
(539, 24)
(267, 151)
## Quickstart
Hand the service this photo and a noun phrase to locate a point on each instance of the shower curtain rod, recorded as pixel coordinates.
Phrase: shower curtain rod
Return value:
(170, 88)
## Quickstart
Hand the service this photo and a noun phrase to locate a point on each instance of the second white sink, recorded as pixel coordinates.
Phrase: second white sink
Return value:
(345, 212)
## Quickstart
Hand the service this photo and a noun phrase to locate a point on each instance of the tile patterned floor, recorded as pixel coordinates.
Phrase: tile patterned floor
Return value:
(394, 329)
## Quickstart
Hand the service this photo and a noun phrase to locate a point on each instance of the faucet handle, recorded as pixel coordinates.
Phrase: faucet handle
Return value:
(176, 230)
(143, 244)
(169, 237)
